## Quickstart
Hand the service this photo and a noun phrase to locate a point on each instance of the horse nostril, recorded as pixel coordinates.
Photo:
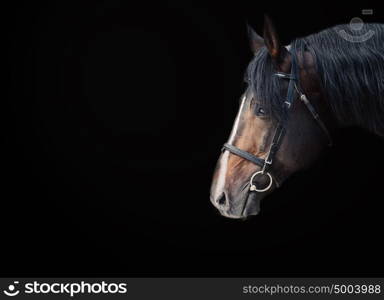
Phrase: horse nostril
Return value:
(221, 200)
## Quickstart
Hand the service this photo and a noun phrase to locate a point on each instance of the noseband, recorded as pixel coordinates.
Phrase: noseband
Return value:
(280, 131)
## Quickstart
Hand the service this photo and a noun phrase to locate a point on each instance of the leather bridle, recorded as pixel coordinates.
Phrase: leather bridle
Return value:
(280, 131)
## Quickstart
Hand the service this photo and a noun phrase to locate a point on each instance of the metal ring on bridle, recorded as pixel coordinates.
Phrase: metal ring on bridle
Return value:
(254, 188)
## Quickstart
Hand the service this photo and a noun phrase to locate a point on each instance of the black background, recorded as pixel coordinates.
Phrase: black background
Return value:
(114, 117)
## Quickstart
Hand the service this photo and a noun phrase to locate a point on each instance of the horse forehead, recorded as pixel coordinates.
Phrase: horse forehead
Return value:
(252, 127)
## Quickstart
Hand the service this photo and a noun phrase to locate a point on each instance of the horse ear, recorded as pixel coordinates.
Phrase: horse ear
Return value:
(272, 41)
(255, 41)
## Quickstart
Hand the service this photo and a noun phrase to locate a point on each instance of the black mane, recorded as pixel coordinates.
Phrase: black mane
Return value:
(351, 74)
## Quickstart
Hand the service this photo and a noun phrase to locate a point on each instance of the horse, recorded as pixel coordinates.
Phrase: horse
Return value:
(297, 98)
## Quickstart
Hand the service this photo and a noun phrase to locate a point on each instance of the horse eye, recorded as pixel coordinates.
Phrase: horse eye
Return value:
(261, 111)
